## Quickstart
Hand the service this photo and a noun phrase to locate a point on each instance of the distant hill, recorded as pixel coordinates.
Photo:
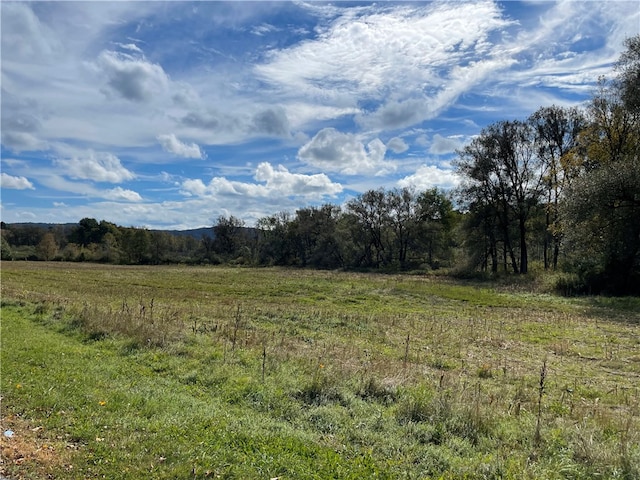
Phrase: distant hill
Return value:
(193, 232)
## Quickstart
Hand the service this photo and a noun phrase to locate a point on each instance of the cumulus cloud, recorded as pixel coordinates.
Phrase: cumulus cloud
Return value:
(397, 145)
(131, 77)
(121, 194)
(15, 183)
(272, 121)
(281, 181)
(429, 176)
(171, 144)
(332, 150)
(276, 182)
(96, 166)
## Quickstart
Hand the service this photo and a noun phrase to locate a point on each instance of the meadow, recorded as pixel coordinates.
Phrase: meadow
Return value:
(217, 372)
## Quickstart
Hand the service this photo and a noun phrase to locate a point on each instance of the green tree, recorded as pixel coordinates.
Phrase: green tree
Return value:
(87, 231)
(135, 245)
(602, 206)
(556, 131)
(5, 249)
(230, 236)
(502, 183)
(436, 219)
(47, 249)
(275, 245)
(369, 228)
(628, 67)
(313, 232)
(403, 218)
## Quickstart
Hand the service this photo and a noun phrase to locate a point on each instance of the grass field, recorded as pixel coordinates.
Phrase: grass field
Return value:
(202, 372)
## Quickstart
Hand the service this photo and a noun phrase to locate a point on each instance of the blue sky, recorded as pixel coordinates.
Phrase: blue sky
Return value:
(168, 115)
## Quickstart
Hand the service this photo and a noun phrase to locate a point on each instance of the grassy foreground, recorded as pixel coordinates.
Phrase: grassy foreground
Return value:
(176, 372)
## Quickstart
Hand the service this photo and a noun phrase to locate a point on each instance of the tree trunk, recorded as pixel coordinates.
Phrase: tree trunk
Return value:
(524, 259)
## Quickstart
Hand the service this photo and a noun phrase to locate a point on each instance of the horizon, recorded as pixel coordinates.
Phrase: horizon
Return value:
(168, 115)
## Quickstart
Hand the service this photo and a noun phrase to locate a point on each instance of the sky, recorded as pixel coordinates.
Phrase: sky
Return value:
(169, 115)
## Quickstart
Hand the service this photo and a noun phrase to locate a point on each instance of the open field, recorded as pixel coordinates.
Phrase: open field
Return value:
(203, 372)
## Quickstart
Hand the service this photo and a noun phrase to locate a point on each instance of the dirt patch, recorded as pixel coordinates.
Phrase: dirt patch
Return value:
(30, 451)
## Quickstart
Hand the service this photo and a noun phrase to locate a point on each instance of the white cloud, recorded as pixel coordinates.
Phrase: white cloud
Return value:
(171, 144)
(401, 55)
(263, 29)
(131, 78)
(96, 166)
(422, 140)
(281, 181)
(24, 36)
(22, 141)
(16, 183)
(277, 182)
(132, 47)
(21, 127)
(397, 145)
(429, 176)
(441, 145)
(271, 121)
(335, 151)
(120, 193)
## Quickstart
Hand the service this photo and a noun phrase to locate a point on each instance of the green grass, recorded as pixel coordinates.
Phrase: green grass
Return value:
(175, 372)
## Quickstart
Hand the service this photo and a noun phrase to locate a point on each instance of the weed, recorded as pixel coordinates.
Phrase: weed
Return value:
(541, 386)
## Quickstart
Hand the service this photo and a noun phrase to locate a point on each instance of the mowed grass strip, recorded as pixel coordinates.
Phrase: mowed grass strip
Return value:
(176, 372)
(104, 415)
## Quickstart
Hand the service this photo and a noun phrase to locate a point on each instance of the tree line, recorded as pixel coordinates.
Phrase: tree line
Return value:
(560, 189)
(393, 230)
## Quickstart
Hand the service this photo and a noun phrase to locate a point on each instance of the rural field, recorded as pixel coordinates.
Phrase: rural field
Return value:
(177, 372)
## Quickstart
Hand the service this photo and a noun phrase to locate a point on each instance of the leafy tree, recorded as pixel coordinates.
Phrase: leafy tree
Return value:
(628, 67)
(87, 231)
(556, 131)
(403, 220)
(369, 231)
(5, 249)
(601, 212)
(48, 247)
(602, 205)
(436, 219)
(502, 183)
(229, 236)
(314, 237)
(275, 246)
(136, 245)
